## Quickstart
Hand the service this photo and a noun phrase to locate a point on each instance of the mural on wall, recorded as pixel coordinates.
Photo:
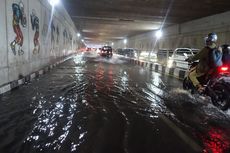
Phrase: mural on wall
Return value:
(35, 27)
(65, 37)
(45, 26)
(53, 29)
(58, 34)
(19, 17)
(70, 41)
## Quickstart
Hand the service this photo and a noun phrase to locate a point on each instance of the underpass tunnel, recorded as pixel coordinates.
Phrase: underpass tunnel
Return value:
(107, 77)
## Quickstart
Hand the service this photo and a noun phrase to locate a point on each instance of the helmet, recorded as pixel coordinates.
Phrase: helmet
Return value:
(212, 37)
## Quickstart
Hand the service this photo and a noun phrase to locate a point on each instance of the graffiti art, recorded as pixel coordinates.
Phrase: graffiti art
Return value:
(35, 27)
(18, 17)
(45, 26)
(53, 29)
(65, 36)
(57, 32)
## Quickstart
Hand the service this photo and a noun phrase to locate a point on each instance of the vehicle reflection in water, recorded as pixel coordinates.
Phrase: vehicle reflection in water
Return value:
(216, 141)
(99, 77)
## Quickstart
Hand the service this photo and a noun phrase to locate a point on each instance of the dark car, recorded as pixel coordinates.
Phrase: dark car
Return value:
(128, 52)
(119, 51)
(106, 51)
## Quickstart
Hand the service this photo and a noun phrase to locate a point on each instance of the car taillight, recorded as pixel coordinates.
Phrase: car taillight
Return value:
(223, 69)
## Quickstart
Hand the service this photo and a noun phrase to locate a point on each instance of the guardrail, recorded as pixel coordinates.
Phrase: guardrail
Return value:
(174, 72)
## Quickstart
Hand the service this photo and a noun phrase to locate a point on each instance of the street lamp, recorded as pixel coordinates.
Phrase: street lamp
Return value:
(54, 2)
(112, 44)
(158, 34)
(78, 34)
(125, 41)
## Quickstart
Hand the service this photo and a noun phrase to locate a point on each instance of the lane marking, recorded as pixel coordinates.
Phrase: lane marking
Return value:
(192, 143)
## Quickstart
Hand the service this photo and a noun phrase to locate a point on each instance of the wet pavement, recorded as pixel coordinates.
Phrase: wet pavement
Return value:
(91, 104)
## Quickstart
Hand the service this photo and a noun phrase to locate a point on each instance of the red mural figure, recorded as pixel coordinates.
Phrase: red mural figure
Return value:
(18, 17)
(35, 27)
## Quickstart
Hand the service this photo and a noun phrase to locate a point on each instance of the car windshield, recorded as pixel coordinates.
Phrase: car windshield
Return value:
(106, 48)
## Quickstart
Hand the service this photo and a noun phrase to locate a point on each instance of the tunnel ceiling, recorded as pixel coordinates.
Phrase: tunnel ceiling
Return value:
(101, 21)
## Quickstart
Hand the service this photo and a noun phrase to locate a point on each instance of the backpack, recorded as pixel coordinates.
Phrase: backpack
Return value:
(215, 56)
(226, 54)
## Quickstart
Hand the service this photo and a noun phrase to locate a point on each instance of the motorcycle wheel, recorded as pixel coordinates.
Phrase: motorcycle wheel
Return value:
(222, 100)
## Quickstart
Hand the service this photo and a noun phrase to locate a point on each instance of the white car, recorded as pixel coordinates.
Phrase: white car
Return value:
(148, 55)
(177, 59)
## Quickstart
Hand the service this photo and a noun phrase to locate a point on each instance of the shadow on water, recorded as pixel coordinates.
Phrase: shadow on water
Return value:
(212, 125)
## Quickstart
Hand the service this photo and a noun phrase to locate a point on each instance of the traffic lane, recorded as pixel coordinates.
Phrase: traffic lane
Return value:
(203, 119)
(147, 93)
(138, 89)
(89, 104)
(50, 99)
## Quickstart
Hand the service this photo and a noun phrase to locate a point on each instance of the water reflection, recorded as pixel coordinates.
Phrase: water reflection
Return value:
(59, 118)
(216, 141)
(90, 105)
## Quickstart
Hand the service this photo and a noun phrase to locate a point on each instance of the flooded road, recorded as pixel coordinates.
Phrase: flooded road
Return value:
(91, 104)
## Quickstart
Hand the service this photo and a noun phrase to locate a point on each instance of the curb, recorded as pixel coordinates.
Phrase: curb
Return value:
(174, 72)
(28, 78)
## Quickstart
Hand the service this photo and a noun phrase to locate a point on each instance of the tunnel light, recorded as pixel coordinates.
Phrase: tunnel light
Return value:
(125, 41)
(54, 2)
(158, 34)
(78, 34)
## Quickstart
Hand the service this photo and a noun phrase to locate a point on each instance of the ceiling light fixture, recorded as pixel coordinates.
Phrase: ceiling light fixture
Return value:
(125, 41)
(54, 2)
(158, 34)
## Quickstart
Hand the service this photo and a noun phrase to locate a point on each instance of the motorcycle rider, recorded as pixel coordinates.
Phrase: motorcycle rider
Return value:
(204, 66)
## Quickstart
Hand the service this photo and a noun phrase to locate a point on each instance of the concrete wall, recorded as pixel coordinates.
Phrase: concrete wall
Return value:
(57, 38)
(189, 34)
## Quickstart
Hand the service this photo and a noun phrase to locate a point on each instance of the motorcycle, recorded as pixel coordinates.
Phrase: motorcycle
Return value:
(216, 85)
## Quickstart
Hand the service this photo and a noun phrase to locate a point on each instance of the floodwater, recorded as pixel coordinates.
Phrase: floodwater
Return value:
(91, 104)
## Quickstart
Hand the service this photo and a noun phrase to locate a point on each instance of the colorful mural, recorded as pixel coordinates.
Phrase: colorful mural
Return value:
(35, 27)
(53, 29)
(45, 26)
(65, 37)
(58, 34)
(19, 17)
